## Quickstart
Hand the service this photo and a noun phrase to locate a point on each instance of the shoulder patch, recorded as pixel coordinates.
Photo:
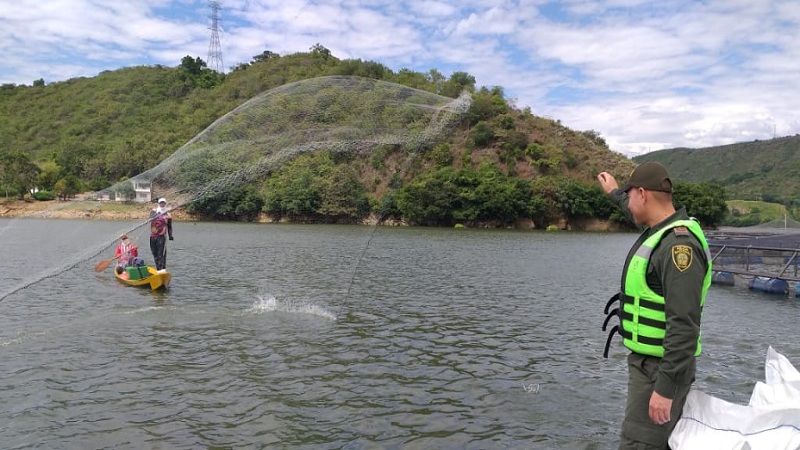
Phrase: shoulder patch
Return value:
(682, 256)
(681, 231)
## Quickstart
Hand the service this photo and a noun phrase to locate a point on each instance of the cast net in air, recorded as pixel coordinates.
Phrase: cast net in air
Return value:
(345, 115)
(339, 114)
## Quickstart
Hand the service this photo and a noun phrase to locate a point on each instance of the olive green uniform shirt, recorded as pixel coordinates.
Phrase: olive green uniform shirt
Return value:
(682, 291)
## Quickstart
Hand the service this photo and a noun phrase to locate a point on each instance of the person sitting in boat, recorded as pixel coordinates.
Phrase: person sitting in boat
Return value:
(126, 253)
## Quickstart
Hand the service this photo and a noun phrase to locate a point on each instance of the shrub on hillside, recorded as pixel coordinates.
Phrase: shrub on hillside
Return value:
(44, 195)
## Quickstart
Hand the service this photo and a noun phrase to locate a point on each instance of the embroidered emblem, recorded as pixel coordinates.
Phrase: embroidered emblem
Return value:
(682, 256)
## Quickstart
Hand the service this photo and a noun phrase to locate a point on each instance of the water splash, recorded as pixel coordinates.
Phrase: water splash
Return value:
(270, 304)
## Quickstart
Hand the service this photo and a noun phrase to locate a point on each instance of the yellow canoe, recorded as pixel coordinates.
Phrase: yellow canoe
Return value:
(154, 278)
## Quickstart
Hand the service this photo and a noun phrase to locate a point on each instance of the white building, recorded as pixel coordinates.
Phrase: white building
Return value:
(142, 189)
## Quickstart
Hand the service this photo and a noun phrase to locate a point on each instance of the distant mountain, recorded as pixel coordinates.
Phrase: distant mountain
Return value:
(758, 170)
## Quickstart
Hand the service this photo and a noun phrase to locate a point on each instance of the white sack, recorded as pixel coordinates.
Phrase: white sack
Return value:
(778, 369)
(770, 422)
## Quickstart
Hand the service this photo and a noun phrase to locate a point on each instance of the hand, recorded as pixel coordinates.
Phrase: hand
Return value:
(660, 408)
(171, 239)
(607, 181)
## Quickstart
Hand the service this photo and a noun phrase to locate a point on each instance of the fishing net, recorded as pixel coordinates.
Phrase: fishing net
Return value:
(340, 114)
(348, 116)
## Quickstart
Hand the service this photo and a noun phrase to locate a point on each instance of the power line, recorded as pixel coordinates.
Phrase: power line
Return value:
(302, 9)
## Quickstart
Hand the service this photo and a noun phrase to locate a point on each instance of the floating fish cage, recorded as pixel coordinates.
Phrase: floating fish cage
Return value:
(723, 278)
(771, 270)
(769, 285)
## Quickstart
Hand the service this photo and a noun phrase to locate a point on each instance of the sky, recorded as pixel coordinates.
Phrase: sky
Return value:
(645, 74)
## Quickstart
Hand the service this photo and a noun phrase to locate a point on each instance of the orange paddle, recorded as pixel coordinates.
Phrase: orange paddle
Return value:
(103, 265)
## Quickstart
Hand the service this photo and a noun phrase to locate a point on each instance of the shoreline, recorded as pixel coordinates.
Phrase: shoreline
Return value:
(82, 209)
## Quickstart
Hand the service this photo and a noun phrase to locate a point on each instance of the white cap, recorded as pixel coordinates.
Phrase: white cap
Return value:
(162, 200)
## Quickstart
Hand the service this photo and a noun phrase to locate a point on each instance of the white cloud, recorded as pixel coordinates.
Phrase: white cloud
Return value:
(646, 75)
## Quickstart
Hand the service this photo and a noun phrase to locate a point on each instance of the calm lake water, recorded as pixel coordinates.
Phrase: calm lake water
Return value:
(329, 337)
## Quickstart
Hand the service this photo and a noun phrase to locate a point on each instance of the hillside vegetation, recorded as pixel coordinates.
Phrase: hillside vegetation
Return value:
(500, 165)
(758, 170)
(751, 212)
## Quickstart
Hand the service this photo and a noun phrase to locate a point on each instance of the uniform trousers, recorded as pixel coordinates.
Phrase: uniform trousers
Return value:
(639, 432)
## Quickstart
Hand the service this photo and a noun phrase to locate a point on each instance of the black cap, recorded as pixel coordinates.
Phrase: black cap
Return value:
(649, 175)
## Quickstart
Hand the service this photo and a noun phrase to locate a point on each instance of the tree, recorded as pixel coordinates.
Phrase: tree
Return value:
(297, 190)
(546, 207)
(408, 77)
(39, 82)
(17, 173)
(293, 196)
(193, 65)
(49, 174)
(487, 104)
(67, 187)
(500, 198)
(248, 206)
(445, 196)
(240, 66)
(442, 155)
(436, 79)
(703, 201)
(458, 83)
(482, 135)
(209, 78)
(357, 67)
(126, 191)
(265, 56)
(238, 203)
(428, 200)
(343, 195)
(318, 50)
(574, 198)
(595, 137)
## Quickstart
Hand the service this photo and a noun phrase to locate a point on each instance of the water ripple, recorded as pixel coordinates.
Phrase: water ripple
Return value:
(447, 340)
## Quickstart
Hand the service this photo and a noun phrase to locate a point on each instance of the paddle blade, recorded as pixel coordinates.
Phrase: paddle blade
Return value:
(102, 265)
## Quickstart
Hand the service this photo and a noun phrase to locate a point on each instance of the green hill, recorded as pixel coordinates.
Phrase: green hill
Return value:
(758, 170)
(121, 123)
(97, 131)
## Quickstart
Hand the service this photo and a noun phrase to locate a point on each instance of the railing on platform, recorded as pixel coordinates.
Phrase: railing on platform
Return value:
(769, 269)
(757, 261)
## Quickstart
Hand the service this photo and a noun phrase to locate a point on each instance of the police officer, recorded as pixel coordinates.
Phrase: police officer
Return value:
(664, 284)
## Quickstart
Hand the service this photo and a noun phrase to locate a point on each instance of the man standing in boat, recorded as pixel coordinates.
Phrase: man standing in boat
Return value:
(160, 228)
(664, 283)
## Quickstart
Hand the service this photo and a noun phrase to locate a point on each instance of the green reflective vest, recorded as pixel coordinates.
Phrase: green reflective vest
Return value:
(642, 310)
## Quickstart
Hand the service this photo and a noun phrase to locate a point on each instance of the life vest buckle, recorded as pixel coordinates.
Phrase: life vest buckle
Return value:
(616, 312)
